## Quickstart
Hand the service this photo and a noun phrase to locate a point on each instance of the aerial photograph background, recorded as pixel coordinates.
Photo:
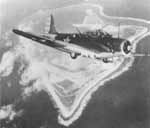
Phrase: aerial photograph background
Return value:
(122, 102)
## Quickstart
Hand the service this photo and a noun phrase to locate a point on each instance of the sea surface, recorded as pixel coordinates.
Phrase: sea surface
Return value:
(121, 103)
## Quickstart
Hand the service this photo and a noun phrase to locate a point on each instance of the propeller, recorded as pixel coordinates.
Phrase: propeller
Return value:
(141, 54)
(133, 40)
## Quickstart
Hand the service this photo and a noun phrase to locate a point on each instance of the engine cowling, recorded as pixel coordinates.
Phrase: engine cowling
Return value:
(125, 47)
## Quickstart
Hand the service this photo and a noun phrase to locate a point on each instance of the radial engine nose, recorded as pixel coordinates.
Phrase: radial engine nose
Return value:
(126, 47)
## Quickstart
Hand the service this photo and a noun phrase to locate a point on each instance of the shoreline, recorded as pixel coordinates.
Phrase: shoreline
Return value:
(47, 72)
(67, 117)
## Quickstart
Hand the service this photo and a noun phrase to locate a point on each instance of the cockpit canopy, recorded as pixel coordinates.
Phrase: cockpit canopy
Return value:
(98, 33)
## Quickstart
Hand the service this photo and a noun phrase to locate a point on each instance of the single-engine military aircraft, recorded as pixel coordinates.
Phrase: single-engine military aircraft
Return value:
(96, 44)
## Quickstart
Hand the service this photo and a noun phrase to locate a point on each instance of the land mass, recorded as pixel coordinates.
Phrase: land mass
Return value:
(70, 83)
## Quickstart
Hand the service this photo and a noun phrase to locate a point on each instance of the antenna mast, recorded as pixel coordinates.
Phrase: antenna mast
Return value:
(118, 30)
(78, 31)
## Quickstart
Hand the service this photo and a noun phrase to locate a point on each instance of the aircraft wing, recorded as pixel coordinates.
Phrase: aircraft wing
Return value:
(39, 38)
(49, 41)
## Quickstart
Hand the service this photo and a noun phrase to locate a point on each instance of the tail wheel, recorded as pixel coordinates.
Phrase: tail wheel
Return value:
(73, 55)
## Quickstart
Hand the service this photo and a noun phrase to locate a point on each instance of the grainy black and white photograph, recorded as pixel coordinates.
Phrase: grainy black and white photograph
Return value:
(74, 64)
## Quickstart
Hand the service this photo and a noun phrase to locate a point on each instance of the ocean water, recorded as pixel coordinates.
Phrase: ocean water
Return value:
(122, 103)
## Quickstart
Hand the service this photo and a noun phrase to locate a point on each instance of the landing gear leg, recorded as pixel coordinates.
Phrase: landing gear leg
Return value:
(73, 55)
(105, 60)
(108, 60)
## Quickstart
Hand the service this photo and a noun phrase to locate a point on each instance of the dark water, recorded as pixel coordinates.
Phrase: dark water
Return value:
(124, 101)
(121, 103)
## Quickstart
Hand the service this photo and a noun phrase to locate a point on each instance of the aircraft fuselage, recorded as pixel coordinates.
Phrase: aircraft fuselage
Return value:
(96, 44)
(87, 45)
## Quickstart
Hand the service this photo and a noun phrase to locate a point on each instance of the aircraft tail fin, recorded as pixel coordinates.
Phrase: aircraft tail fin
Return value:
(52, 29)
